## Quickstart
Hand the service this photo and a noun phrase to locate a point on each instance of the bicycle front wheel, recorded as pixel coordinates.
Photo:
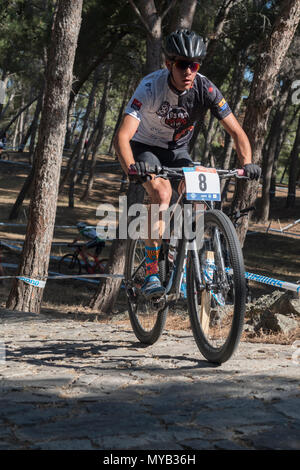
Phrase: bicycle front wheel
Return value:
(147, 318)
(69, 264)
(217, 312)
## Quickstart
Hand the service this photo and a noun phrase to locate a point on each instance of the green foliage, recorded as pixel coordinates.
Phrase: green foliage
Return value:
(24, 34)
(112, 32)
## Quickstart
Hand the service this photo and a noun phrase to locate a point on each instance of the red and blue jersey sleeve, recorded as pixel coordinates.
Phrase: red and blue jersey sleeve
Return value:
(214, 100)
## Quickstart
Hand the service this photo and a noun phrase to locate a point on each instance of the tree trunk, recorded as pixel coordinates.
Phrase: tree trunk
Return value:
(220, 21)
(152, 21)
(107, 293)
(235, 104)
(34, 129)
(285, 134)
(4, 80)
(82, 138)
(26, 137)
(110, 45)
(14, 213)
(14, 119)
(206, 64)
(98, 138)
(93, 141)
(120, 115)
(15, 135)
(279, 143)
(294, 167)
(9, 101)
(208, 139)
(269, 157)
(260, 101)
(21, 127)
(184, 15)
(73, 128)
(36, 250)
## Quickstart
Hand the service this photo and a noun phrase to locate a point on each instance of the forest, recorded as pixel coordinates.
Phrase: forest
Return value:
(68, 69)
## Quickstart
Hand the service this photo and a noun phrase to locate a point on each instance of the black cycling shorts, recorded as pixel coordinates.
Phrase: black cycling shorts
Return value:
(176, 158)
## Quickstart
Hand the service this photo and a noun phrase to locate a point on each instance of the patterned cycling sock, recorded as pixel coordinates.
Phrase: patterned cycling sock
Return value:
(151, 261)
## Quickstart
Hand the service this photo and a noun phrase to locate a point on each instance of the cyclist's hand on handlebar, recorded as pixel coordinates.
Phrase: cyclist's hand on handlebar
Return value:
(252, 171)
(139, 171)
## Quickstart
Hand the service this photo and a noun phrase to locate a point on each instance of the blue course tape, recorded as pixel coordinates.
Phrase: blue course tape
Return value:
(273, 282)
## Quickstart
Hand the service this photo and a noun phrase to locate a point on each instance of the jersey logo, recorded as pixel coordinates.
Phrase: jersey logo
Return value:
(136, 104)
(223, 104)
(172, 116)
(183, 133)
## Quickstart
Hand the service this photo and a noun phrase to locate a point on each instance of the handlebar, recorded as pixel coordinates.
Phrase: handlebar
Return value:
(172, 173)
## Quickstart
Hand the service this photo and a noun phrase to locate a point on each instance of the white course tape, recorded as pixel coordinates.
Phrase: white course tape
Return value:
(32, 282)
(86, 277)
(56, 276)
(21, 242)
(8, 224)
(11, 162)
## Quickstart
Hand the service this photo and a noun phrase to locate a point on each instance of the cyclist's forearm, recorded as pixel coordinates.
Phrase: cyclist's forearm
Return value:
(124, 153)
(240, 138)
(243, 148)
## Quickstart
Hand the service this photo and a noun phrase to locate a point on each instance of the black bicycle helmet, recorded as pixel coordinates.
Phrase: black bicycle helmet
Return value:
(185, 43)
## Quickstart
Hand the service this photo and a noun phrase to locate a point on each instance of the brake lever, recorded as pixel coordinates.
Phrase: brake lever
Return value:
(164, 176)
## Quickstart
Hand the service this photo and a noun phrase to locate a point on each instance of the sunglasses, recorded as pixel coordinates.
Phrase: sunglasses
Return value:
(184, 64)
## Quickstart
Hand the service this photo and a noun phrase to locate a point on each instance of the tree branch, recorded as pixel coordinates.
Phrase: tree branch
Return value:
(138, 13)
(5, 129)
(171, 5)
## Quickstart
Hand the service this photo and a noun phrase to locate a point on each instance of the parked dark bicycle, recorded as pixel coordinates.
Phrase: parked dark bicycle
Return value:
(84, 255)
(215, 275)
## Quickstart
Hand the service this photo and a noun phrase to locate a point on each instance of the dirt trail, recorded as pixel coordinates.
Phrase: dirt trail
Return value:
(74, 384)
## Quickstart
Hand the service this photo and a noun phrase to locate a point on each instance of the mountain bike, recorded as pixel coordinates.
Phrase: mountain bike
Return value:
(72, 263)
(213, 265)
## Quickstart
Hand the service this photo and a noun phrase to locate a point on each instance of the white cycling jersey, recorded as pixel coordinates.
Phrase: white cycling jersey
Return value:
(167, 116)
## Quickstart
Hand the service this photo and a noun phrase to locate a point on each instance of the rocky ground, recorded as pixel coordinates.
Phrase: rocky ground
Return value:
(274, 313)
(74, 384)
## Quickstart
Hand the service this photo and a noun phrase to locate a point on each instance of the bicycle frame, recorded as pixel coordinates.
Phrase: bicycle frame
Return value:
(84, 254)
(174, 284)
(173, 287)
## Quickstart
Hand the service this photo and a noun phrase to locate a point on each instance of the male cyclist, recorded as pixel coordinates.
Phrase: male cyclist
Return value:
(159, 122)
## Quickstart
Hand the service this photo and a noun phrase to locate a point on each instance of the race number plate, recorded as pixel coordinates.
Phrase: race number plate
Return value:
(202, 184)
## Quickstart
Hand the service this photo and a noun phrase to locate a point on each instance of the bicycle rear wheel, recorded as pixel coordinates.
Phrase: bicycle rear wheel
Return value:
(69, 264)
(147, 318)
(101, 265)
(217, 312)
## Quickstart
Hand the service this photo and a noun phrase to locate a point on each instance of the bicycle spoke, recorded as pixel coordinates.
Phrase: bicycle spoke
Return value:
(217, 312)
(147, 317)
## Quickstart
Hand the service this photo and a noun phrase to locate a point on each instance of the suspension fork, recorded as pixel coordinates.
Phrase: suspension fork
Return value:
(197, 267)
(218, 248)
(195, 242)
